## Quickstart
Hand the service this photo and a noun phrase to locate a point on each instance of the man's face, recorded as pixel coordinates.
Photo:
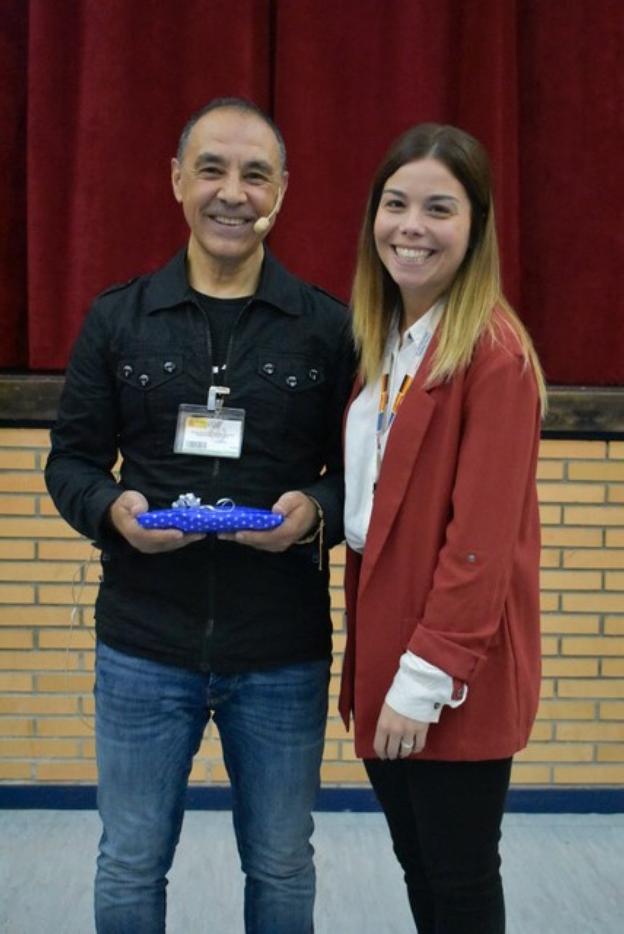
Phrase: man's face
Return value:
(228, 177)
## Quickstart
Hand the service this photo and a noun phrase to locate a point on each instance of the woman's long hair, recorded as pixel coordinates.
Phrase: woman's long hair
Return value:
(476, 289)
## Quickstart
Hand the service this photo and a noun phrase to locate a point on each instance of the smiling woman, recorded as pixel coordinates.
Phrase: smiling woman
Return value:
(443, 652)
(421, 233)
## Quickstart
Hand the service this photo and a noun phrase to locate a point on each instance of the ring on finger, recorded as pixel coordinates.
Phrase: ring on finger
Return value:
(407, 744)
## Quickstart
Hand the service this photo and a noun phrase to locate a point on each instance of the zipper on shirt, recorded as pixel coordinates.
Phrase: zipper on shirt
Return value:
(216, 463)
(212, 544)
(204, 662)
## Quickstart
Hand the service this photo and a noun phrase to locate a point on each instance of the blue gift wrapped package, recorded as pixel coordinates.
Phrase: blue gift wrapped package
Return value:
(188, 515)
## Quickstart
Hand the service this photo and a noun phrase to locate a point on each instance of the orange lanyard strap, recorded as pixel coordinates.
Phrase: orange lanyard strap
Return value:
(406, 382)
(383, 425)
(383, 401)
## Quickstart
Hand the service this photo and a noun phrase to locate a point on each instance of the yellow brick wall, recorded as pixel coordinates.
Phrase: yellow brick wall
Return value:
(46, 707)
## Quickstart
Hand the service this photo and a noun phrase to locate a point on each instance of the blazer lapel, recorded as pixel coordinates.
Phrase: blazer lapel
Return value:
(402, 449)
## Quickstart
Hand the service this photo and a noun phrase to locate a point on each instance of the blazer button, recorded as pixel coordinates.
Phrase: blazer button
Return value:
(127, 371)
(291, 381)
(144, 380)
(269, 369)
(169, 366)
(313, 374)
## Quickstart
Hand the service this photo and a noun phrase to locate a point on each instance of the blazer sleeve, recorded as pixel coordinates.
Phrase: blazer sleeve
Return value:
(494, 507)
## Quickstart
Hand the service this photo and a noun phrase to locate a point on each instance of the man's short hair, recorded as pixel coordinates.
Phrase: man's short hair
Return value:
(232, 103)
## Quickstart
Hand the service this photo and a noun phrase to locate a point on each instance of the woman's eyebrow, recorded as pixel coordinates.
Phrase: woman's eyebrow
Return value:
(442, 197)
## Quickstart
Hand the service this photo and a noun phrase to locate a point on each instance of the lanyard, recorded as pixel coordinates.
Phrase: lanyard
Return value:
(384, 421)
(386, 417)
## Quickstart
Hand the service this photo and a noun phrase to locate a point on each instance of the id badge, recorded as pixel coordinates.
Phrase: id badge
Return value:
(209, 432)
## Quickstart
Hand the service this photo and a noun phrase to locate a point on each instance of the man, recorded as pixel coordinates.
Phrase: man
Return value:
(190, 626)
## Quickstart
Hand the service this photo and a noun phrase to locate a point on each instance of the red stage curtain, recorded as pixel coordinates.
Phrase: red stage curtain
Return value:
(376, 69)
(571, 208)
(13, 299)
(106, 87)
(110, 86)
(539, 82)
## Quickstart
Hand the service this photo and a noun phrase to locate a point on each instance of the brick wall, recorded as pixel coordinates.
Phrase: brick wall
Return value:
(46, 662)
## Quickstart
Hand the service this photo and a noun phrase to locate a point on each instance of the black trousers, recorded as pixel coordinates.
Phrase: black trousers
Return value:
(444, 819)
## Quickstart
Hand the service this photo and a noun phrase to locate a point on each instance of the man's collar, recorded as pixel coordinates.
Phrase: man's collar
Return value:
(169, 286)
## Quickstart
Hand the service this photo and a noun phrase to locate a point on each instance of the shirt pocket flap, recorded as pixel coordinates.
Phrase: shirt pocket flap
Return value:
(149, 372)
(289, 372)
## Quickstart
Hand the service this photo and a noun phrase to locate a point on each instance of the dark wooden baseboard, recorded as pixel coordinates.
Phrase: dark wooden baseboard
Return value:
(588, 412)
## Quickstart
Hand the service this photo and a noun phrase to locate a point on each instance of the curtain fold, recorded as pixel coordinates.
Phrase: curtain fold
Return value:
(571, 206)
(13, 295)
(93, 96)
(486, 104)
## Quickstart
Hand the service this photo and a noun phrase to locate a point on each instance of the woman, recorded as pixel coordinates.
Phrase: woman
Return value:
(443, 651)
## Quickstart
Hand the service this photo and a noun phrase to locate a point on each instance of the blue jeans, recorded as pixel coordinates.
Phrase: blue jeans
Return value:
(150, 719)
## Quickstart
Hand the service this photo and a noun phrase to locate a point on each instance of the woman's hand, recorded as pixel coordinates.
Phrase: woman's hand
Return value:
(396, 736)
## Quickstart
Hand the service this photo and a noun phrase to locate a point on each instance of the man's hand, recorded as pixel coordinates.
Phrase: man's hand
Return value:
(396, 736)
(123, 513)
(300, 517)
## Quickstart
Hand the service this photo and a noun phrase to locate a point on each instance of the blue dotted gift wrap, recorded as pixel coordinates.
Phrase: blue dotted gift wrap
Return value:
(211, 519)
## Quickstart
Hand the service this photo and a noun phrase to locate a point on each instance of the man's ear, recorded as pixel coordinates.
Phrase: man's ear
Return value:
(176, 174)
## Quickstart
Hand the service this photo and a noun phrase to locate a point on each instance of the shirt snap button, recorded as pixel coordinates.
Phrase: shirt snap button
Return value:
(169, 367)
(127, 370)
(269, 369)
(291, 381)
(471, 557)
(144, 379)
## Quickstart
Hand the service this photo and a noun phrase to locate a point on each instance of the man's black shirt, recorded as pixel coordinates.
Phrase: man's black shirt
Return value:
(147, 347)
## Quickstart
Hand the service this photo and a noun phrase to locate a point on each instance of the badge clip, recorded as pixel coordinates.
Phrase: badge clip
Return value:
(214, 403)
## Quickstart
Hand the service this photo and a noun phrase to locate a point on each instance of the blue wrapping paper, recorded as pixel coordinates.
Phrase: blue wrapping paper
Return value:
(211, 519)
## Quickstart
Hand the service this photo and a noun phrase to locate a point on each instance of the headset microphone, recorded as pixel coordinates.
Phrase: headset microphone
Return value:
(262, 224)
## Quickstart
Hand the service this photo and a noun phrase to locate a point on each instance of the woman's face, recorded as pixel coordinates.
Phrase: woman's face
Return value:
(421, 231)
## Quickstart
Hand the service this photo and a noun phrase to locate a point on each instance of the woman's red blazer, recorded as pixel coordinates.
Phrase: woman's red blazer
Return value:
(451, 564)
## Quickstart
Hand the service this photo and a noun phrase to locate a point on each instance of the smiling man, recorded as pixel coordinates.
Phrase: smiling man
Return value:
(224, 376)
(229, 173)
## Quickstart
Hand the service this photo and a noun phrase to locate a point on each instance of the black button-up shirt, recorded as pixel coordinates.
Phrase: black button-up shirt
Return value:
(145, 348)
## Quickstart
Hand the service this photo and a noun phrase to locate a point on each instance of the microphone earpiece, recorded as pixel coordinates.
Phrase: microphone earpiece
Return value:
(262, 224)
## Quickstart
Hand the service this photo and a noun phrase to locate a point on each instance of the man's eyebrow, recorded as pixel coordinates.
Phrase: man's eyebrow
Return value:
(260, 165)
(209, 158)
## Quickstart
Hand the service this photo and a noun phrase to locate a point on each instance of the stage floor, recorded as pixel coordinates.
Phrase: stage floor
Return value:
(563, 874)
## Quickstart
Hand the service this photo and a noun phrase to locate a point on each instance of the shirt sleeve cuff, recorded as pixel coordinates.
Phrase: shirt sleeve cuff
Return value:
(420, 690)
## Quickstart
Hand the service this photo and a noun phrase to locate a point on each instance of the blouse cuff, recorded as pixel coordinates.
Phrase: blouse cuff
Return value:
(420, 690)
